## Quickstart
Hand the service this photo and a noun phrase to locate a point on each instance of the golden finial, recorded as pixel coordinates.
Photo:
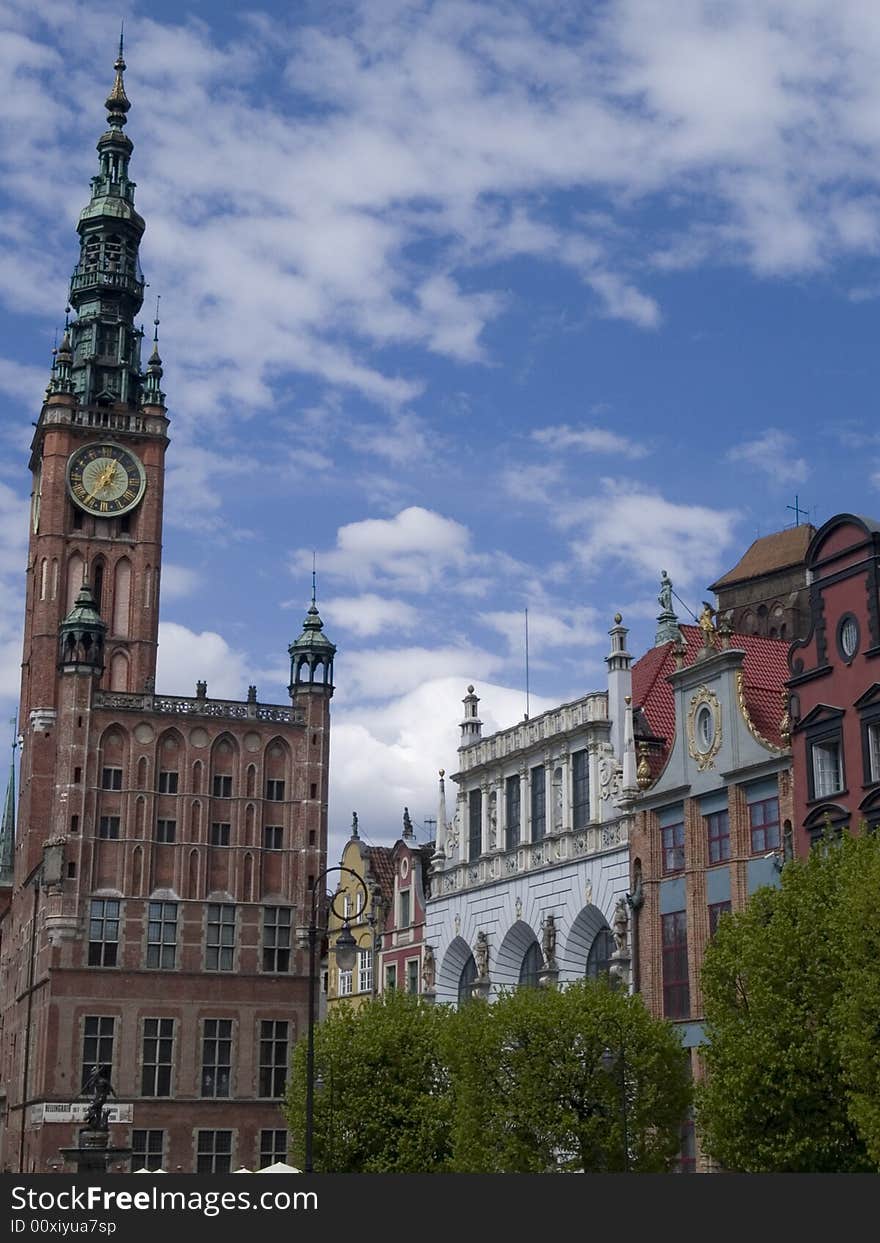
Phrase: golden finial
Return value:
(643, 772)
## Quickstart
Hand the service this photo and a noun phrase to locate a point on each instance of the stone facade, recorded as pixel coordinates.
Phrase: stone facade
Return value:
(527, 877)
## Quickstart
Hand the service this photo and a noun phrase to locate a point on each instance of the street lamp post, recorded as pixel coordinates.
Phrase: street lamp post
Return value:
(610, 1060)
(345, 949)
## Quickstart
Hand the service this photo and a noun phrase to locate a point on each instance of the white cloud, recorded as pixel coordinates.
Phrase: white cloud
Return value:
(570, 629)
(588, 440)
(368, 615)
(772, 453)
(186, 656)
(633, 528)
(411, 551)
(178, 582)
(380, 673)
(387, 757)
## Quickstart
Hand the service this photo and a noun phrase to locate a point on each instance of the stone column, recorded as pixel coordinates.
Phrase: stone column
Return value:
(500, 816)
(565, 762)
(484, 787)
(525, 805)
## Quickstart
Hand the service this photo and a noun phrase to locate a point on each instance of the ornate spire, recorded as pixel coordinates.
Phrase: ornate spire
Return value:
(117, 103)
(107, 286)
(151, 394)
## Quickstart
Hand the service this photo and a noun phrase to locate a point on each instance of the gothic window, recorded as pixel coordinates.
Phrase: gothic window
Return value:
(119, 672)
(716, 910)
(599, 957)
(222, 786)
(122, 597)
(275, 790)
(466, 980)
(530, 968)
(220, 832)
(168, 780)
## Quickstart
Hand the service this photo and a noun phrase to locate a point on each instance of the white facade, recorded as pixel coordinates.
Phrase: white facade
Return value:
(535, 864)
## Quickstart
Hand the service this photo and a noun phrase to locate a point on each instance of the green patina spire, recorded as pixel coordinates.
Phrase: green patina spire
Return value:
(107, 286)
(7, 827)
(151, 393)
(311, 655)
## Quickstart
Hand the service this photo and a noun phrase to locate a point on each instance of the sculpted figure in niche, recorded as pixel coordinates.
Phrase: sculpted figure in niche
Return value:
(481, 956)
(619, 925)
(548, 942)
(493, 820)
(428, 969)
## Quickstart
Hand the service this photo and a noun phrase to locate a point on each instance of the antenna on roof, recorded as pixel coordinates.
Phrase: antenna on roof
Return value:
(683, 605)
(798, 512)
(527, 666)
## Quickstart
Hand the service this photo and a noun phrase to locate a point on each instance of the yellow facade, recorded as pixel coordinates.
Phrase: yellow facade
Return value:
(358, 986)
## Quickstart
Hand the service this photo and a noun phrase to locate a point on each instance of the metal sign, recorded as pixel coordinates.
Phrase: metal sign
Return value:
(75, 1111)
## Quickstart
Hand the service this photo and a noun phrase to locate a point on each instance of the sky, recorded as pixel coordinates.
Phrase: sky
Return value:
(485, 306)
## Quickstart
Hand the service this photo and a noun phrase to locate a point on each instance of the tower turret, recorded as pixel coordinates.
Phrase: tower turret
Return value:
(81, 637)
(471, 725)
(311, 655)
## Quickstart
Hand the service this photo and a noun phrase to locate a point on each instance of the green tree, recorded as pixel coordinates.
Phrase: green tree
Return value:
(857, 1006)
(533, 1094)
(384, 1105)
(776, 1095)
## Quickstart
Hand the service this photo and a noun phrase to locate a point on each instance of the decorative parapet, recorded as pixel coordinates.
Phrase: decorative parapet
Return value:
(566, 719)
(177, 705)
(571, 846)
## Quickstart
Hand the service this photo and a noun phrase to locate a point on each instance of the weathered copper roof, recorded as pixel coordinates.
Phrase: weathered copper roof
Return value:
(768, 554)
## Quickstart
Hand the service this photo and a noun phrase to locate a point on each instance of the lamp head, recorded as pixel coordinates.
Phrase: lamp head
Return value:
(345, 948)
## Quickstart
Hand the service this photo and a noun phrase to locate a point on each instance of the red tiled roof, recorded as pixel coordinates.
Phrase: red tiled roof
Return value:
(382, 867)
(765, 670)
(768, 554)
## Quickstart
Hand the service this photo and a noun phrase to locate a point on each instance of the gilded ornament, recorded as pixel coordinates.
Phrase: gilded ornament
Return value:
(704, 728)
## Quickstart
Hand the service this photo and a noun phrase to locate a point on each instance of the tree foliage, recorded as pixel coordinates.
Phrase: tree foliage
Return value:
(514, 1086)
(790, 990)
(384, 1105)
(532, 1092)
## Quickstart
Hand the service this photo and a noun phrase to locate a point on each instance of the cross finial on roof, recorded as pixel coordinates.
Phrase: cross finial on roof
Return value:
(798, 512)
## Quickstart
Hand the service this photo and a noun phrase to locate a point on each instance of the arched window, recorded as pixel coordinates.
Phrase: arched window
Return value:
(466, 980)
(532, 963)
(599, 957)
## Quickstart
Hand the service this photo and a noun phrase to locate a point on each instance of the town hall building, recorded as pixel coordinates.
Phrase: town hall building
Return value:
(165, 844)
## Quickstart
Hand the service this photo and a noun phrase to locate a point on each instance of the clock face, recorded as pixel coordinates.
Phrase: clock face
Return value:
(105, 479)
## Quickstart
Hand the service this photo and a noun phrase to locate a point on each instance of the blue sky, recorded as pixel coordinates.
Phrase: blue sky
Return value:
(492, 306)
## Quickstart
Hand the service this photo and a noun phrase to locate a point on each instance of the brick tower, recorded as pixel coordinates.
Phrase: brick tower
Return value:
(165, 845)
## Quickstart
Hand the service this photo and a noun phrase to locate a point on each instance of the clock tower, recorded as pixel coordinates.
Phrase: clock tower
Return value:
(97, 457)
(167, 845)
